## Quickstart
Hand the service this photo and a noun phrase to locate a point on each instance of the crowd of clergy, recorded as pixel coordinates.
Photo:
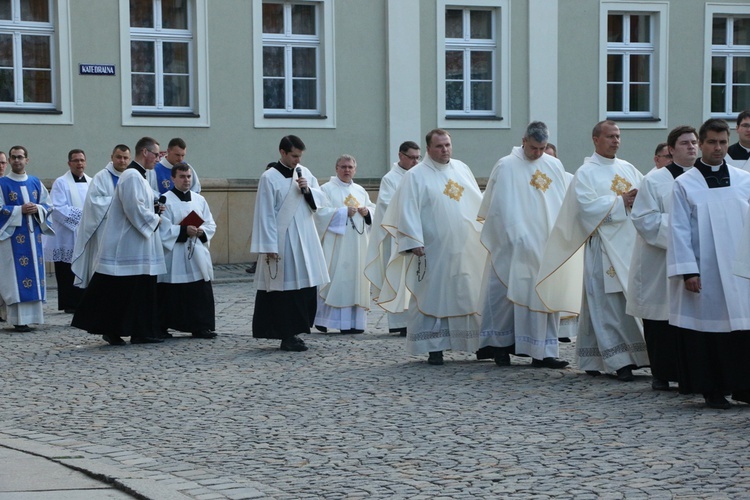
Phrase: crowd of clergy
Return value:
(130, 246)
(643, 270)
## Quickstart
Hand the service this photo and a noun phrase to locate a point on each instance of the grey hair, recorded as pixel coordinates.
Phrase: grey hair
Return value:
(537, 131)
(346, 157)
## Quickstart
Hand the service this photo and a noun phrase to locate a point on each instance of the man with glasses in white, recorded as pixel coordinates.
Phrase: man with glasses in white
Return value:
(120, 301)
(381, 243)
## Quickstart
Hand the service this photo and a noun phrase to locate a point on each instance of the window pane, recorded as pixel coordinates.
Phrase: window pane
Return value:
(719, 35)
(35, 51)
(454, 23)
(273, 93)
(273, 61)
(614, 68)
(304, 94)
(639, 68)
(144, 90)
(273, 18)
(6, 85)
(141, 14)
(454, 65)
(6, 50)
(303, 19)
(640, 28)
(5, 10)
(718, 69)
(177, 90)
(481, 24)
(176, 58)
(37, 86)
(718, 98)
(174, 14)
(481, 96)
(481, 65)
(35, 11)
(303, 62)
(741, 31)
(454, 96)
(740, 98)
(614, 97)
(614, 28)
(740, 73)
(640, 99)
(142, 57)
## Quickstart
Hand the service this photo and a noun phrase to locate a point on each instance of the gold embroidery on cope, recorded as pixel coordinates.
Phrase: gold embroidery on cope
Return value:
(23, 260)
(620, 185)
(21, 239)
(453, 190)
(166, 183)
(540, 181)
(13, 196)
(27, 283)
(611, 272)
(351, 201)
(35, 194)
(6, 211)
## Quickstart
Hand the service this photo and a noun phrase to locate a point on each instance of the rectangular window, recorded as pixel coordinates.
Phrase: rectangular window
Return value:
(730, 64)
(27, 56)
(630, 57)
(470, 55)
(161, 56)
(633, 64)
(291, 59)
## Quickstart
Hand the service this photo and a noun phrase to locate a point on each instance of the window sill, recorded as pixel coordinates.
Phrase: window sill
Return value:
(161, 114)
(295, 117)
(28, 111)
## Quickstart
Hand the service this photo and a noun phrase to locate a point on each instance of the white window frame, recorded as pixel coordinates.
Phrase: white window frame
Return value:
(656, 118)
(721, 10)
(198, 114)
(60, 111)
(500, 116)
(325, 115)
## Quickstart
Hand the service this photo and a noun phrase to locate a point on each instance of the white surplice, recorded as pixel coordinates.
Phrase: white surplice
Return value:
(130, 244)
(67, 198)
(90, 230)
(302, 263)
(699, 216)
(381, 244)
(520, 207)
(647, 282)
(344, 240)
(189, 261)
(435, 207)
(594, 216)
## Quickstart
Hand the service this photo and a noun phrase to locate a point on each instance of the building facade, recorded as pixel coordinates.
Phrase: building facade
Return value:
(357, 76)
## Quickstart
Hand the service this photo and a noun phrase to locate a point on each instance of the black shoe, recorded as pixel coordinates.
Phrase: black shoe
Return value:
(502, 357)
(400, 331)
(564, 340)
(658, 384)
(717, 401)
(352, 331)
(625, 374)
(145, 340)
(435, 358)
(293, 344)
(22, 328)
(742, 396)
(321, 329)
(555, 363)
(593, 373)
(251, 269)
(486, 352)
(113, 339)
(204, 334)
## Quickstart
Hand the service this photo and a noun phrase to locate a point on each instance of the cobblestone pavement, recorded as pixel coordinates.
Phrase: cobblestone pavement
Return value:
(353, 417)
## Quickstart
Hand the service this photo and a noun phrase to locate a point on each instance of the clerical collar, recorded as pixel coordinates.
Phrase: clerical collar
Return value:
(134, 164)
(714, 178)
(743, 147)
(282, 169)
(79, 179)
(17, 177)
(676, 170)
(182, 196)
(603, 159)
(344, 183)
(287, 166)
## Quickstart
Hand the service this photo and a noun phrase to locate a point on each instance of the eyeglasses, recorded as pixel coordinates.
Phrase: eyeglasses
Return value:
(415, 157)
(17, 157)
(745, 125)
(152, 152)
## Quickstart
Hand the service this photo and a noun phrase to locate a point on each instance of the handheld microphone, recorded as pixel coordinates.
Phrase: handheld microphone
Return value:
(160, 204)
(299, 174)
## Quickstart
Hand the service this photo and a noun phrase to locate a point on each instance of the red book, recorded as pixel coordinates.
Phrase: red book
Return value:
(192, 219)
